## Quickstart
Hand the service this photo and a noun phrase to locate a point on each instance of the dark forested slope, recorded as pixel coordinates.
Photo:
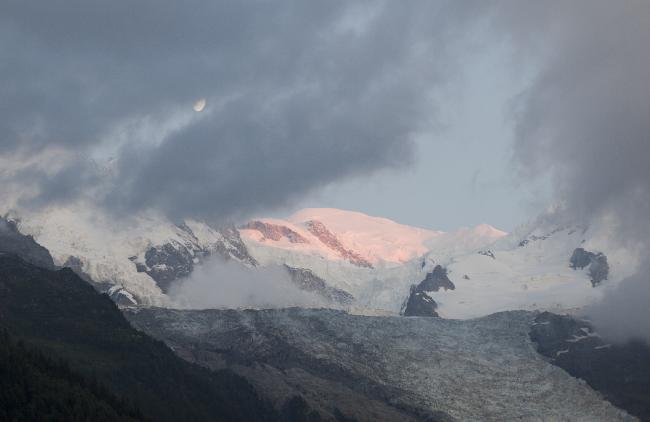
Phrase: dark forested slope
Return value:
(34, 387)
(62, 318)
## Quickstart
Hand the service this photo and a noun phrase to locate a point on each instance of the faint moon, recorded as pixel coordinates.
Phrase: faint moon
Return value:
(199, 105)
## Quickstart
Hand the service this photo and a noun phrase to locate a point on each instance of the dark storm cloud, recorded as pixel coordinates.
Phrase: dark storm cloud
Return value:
(299, 94)
(586, 121)
(586, 118)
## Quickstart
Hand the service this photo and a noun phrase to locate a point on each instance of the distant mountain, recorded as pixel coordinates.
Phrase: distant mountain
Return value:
(384, 265)
(60, 316)
(339, 235)
(134, 260)
(351, 260)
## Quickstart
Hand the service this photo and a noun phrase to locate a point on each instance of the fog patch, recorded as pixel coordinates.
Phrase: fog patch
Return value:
(230, 284)
(623, 312)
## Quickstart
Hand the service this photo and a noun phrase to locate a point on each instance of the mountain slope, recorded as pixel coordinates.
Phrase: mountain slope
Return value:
(13, 241)
(336, 234)
(373, 259)
(492, 271)
(134, 259)
(620, 371)
(62, 315)
(33, 387)
(531, 269)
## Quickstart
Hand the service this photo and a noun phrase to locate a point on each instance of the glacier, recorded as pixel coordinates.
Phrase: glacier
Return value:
(371, 368)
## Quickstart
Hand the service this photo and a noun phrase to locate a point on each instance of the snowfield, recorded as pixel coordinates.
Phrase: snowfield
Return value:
(492, 270)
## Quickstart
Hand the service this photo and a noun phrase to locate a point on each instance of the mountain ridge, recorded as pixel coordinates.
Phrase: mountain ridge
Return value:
(137, 260)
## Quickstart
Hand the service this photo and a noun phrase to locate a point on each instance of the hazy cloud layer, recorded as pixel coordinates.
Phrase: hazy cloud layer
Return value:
(228, 284)
(585, 118)
(298, 94)
(586, 121)
(624, 314)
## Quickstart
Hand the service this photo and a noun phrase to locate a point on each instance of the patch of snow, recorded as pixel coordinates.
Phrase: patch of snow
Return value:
(604, 346)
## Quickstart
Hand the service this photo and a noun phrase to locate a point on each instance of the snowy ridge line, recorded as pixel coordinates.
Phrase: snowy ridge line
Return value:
(491, 272)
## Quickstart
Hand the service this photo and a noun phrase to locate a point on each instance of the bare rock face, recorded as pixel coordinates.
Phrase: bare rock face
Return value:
(619, 371)
(232, 247)
(328, 238)
(487, 253)
(175, 260)
(308, 281)
(436, 280)
(14, 242)
(275, 232)
(352, 367)
(595, 261)
(169, 262)
(419, 303)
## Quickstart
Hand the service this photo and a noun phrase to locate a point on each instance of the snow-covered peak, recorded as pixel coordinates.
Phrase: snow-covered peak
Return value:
(342, 221)
(360, 239)
(488, 231)
(135, 255)
(371, 261)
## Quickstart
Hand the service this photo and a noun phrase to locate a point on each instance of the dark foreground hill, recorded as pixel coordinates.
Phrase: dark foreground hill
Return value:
(77, 342)
(34, 387)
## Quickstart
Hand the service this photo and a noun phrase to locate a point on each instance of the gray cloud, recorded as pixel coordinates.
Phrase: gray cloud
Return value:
(299, 94)
(623, 314)
(229, 284)
(586, 121)
(585, 118)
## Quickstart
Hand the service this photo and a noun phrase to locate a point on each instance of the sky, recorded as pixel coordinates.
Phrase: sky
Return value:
(436, 114)
(462, 174)
(370, 106)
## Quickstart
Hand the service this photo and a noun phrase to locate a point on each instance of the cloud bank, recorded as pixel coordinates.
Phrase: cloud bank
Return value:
(585, 121)
(299, 94)
(229, 284)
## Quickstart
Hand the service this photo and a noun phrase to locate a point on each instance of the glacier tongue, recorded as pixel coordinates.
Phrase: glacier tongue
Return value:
(384, 368)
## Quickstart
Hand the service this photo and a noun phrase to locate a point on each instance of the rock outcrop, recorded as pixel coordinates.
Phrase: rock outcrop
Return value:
(595, 261)
(328, 238)
(619, 371)
(308, 281)
(419, 302)
(14, 242)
